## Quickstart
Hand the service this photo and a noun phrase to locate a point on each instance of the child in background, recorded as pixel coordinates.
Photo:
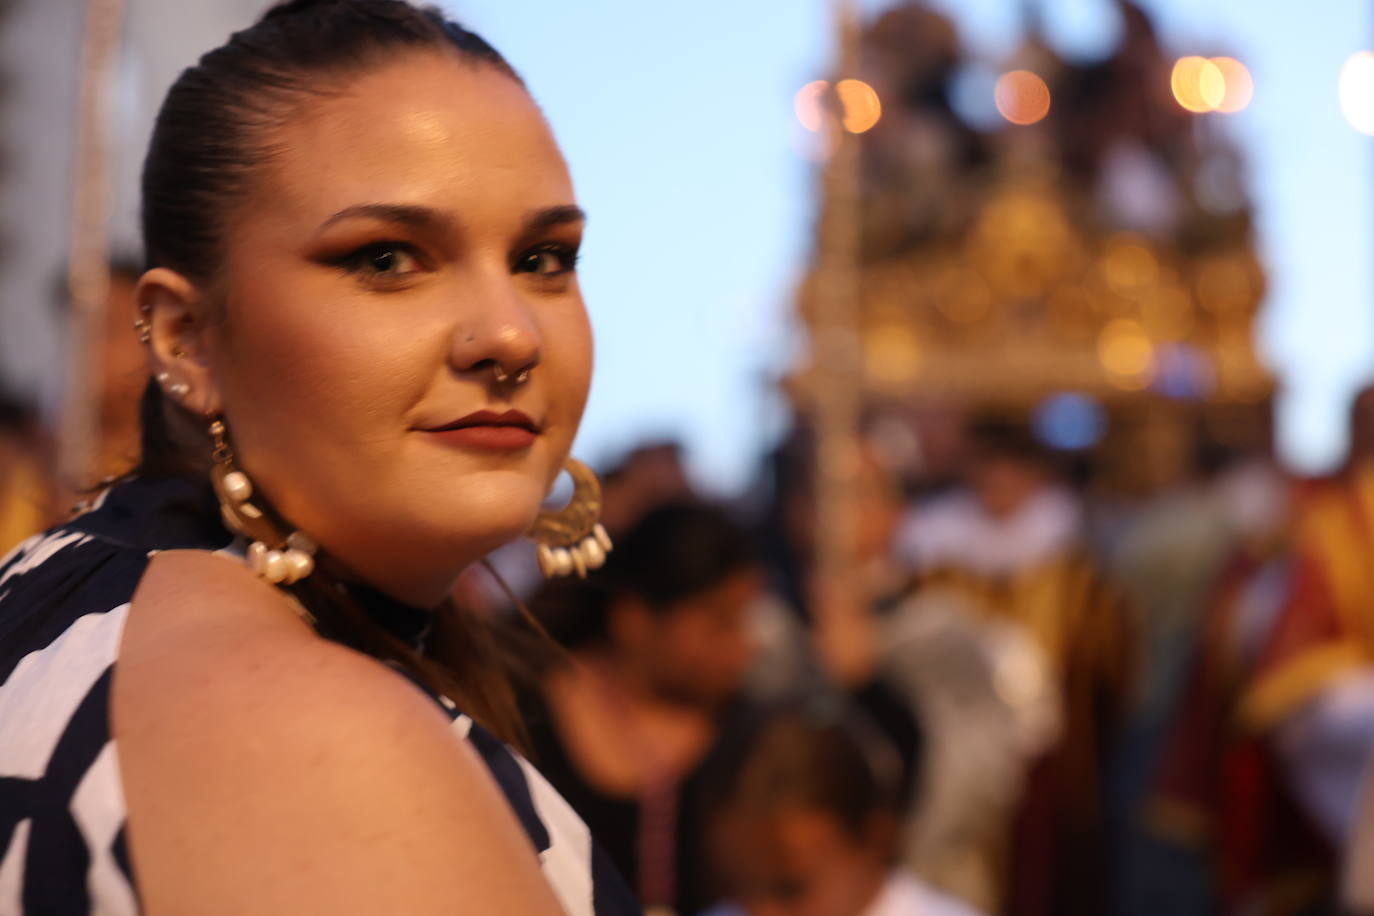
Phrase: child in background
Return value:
(807, 824)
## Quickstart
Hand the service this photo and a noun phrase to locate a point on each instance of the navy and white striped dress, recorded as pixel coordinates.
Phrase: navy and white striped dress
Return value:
(64, 596)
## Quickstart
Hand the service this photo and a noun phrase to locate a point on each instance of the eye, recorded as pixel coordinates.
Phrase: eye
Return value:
(382, 260)
(547, 260)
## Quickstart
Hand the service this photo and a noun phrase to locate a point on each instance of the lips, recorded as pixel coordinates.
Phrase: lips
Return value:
(510, 430)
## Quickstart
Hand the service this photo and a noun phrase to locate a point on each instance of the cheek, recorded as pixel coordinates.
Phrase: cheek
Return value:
(317, 363)
(566, 361)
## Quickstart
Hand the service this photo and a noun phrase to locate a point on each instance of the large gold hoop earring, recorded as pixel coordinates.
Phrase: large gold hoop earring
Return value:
(571, 539)
(280, 559)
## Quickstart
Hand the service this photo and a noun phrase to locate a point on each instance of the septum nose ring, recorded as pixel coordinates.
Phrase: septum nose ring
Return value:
(503, 377)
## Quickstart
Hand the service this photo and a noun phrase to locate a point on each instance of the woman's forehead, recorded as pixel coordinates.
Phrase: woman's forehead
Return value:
(425, 127)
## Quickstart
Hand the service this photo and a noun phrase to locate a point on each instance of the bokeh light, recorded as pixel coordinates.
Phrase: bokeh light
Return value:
(1199, 85)
(808, 104)
(1356, 90)
(1128, 265)
(962, 295)
(1126, 353)
(1183, 372)
(1224, 285)
(1238, 85)
(859, 101)
(892, 352)
(1022, 97)
(1070, 421)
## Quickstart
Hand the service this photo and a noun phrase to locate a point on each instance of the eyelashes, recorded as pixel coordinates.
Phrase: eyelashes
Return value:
(383, 261)
(391, 261)
(550, 260)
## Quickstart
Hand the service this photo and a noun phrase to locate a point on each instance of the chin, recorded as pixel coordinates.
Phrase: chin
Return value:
(482, 515)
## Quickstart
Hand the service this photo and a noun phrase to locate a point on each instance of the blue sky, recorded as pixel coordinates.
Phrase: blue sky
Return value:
(677, 121)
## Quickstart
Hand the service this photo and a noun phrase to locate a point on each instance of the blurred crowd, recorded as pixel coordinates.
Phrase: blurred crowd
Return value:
(1029, 696)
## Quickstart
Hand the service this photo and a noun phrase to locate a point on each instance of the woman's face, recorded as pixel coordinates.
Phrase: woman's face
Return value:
(416, 231)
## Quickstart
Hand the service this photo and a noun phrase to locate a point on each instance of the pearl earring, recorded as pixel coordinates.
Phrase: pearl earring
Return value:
(280, 560)
(572, 539)
(176, 389)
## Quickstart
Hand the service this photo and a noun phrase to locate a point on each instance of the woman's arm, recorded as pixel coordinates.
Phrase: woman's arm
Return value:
(269, 771)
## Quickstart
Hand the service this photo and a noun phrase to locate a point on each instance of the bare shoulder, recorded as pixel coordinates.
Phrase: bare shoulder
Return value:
(268, 770)
(209, 641)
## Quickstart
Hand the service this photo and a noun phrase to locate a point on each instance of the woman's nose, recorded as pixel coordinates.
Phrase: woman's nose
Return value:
(497, 331)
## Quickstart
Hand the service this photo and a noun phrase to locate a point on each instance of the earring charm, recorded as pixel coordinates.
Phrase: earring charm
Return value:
(571, 539)
(280, 560)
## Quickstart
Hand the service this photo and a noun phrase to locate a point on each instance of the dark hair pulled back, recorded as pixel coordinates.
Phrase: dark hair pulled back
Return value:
(215, 130)
(216, 124)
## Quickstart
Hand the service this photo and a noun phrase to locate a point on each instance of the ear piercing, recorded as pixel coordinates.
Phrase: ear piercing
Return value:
(176, 389)
(143, 326)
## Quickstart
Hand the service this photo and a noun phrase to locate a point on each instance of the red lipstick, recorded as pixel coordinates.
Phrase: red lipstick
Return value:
(486, 429)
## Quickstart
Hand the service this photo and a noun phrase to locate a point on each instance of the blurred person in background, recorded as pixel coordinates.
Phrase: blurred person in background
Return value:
(646, 477)
(903, 653)
(1168, 557)
(1206, 568)
(1211, 789)
(123, 373)
(1266, 767)
(671, 644)
(1009, 515)
(1009, 546)
(32, 496)
(816, 636)
(27, 498)
(787, 534)
(658, 645)
(808, 822)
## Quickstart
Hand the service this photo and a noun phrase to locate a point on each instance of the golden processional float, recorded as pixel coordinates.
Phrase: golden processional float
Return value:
(1086, 259)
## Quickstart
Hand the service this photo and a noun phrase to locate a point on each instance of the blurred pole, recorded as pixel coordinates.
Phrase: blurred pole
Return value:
(837, 360)
(88, 276)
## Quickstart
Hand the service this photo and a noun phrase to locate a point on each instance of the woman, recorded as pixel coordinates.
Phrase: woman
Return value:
(362, 320)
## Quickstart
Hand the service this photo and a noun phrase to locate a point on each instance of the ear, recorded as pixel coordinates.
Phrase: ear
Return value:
(178, 316)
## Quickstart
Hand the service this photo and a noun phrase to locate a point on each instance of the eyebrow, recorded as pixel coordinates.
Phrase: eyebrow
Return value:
(405, 214)
(425, 217)
(553, 217)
